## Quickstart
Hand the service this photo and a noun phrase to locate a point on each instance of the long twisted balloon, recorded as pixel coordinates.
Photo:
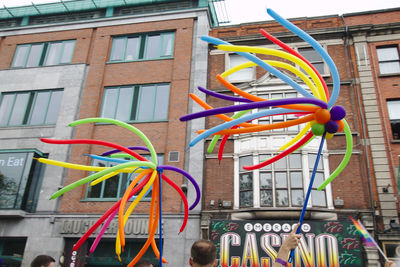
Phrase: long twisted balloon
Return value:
(316, 109)
(149, 175)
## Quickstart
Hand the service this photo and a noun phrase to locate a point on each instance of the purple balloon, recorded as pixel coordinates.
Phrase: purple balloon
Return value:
(331, 127)
(338, 113)
(261, 104)
(129, 147)
(187, 175)
(225, 97)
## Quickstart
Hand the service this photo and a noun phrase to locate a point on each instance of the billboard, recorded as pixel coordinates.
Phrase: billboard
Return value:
(256, 243)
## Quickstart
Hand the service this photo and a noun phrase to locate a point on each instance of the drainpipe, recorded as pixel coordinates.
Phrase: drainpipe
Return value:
(363, 124)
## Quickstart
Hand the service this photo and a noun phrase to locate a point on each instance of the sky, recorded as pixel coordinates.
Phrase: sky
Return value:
(242, 11)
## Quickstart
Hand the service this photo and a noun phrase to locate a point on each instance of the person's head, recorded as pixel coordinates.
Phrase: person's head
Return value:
(203, 253)
(143, 263)
(43, 261)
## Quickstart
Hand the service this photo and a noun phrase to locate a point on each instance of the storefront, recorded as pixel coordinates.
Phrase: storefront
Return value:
(175, 247)
(255, 243)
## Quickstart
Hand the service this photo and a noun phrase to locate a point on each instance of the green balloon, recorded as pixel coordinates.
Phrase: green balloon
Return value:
(99, 174)
(345, 160)
(318, 129)
(124, 125)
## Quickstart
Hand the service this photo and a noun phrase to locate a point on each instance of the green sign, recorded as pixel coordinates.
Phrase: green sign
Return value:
(256, 243)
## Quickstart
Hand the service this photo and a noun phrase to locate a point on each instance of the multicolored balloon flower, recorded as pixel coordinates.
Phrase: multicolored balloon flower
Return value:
(316, 110)
(148, 174)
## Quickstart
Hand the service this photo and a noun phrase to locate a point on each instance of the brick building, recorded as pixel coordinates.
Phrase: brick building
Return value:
(365, 48)
(130, 60)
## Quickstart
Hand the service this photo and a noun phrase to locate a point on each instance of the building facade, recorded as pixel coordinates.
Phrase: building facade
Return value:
(131, 61)
(359, 44)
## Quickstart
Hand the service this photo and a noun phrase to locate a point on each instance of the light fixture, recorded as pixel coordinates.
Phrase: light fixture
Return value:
(212, 203)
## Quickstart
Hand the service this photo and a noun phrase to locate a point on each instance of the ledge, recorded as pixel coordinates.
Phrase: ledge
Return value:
(12, 214)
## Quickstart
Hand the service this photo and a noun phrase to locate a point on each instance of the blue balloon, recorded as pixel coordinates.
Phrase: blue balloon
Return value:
(262, 64)
(306, 37)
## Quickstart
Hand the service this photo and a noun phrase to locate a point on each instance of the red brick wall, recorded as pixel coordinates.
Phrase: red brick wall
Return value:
(373, 18)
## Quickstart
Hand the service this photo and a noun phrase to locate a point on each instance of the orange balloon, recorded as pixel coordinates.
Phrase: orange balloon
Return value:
(258, 128)
(322, 116)
(341, 125)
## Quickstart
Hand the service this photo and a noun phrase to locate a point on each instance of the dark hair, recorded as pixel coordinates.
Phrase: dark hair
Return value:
(203, 252)
(42, 260)
(143, 263)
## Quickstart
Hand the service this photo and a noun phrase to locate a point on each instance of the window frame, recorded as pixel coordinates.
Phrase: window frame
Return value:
(121, 189)
(29, 107)
(136, 101)
(326, 71)
(391, 120)
(44, 53)
(231, 78)
(142, 46)
(30, 179)
(388, 61)
(306, 176)
(273, 119)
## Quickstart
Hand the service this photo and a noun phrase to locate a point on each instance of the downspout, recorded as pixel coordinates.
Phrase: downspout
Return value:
(363, 124)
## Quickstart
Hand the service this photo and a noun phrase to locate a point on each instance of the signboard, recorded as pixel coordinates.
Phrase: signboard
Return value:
(256, 243)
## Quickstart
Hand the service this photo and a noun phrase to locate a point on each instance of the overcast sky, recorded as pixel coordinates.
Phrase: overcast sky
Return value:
(241, 11)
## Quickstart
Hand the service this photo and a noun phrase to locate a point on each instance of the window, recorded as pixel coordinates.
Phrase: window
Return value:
(318, 198)
(43, 54)
(136, 103)
(280, 184)
(12, 251)
(394, 117)
(142, 47)
(245, 182)
(243, 75)
(278, 118)
(30, 107)
(313, 57)
(389, 61)
(114, 188)
(20, 179)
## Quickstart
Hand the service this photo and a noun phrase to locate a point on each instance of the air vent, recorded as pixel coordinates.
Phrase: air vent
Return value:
(173, 156)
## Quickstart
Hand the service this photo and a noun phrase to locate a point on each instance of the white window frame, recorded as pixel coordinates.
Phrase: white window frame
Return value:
(326, 72)
(256, 181)
(233, 77)
(388, 61)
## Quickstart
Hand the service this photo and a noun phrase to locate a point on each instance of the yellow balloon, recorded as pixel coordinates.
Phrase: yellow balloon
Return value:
(320, 93)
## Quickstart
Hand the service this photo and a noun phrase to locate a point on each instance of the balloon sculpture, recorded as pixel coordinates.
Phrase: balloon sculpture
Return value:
(316, 109)
(149, 174)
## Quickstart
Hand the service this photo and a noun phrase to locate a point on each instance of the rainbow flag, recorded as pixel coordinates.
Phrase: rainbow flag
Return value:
(365, 236)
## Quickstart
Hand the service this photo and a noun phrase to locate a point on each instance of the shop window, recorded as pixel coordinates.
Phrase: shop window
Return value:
(389, 61)
(30, 107)
(145, 46)
(313, 57)
(393, 106)
(280, 184)
(104, 255)
(114, 188)
(136, 103)
(243, 75)
(43, 54)
(12, 251)
(20, 179)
